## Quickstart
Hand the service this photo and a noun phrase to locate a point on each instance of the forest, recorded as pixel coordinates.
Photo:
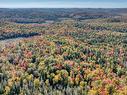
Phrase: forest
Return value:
(63, 51)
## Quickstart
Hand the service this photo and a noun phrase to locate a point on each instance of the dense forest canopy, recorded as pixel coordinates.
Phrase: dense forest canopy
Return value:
(63, 51)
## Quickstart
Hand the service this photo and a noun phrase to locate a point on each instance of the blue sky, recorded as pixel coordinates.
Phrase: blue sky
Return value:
(63, 3)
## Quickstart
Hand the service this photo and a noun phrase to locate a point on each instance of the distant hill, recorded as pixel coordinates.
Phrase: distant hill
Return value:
(40, 15)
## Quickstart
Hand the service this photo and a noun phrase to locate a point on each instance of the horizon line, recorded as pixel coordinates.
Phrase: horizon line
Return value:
(62, 8)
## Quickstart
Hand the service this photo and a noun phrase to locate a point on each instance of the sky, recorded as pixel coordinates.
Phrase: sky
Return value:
(63, 3)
